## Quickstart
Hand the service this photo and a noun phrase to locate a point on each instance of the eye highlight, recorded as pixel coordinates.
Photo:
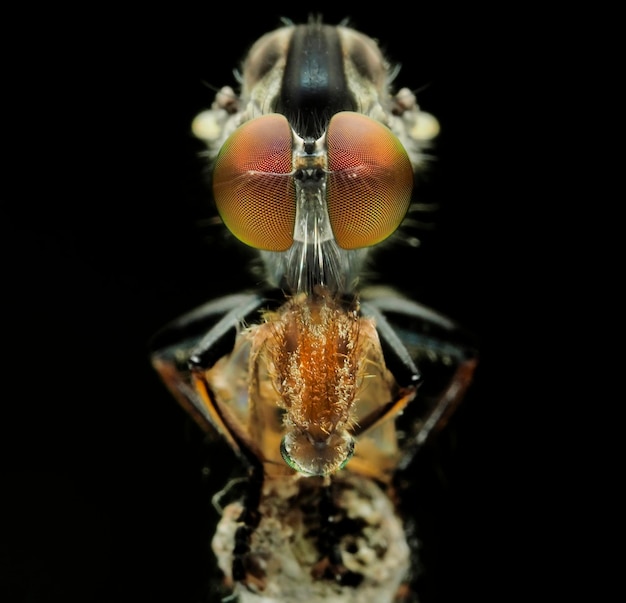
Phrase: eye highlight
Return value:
(370, 181)
(252, 184)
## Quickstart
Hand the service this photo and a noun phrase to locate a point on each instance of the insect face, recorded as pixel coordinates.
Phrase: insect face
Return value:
(313, 163)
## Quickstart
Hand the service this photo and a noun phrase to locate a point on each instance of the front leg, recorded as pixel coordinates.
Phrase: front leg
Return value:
(185, 349)
(417, 338)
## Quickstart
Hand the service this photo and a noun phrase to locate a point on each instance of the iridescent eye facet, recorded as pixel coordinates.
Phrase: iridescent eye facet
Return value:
(252, 184)
(370, 180)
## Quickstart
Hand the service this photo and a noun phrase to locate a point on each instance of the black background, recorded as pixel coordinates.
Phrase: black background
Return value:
(108, 236)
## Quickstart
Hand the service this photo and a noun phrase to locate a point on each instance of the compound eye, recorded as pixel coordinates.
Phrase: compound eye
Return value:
(370, 180)
(252, 184)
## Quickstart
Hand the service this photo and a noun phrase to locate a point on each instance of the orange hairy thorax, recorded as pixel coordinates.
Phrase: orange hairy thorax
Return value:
(319, 362)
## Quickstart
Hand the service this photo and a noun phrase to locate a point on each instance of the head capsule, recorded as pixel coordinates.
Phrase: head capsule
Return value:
(328, 174)
(310, 456)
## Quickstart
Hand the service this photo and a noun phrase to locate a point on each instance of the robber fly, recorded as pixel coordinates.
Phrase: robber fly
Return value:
(325, 390)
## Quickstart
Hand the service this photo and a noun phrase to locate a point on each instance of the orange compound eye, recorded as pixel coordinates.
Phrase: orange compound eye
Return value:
(370, 180)
(252, 184)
